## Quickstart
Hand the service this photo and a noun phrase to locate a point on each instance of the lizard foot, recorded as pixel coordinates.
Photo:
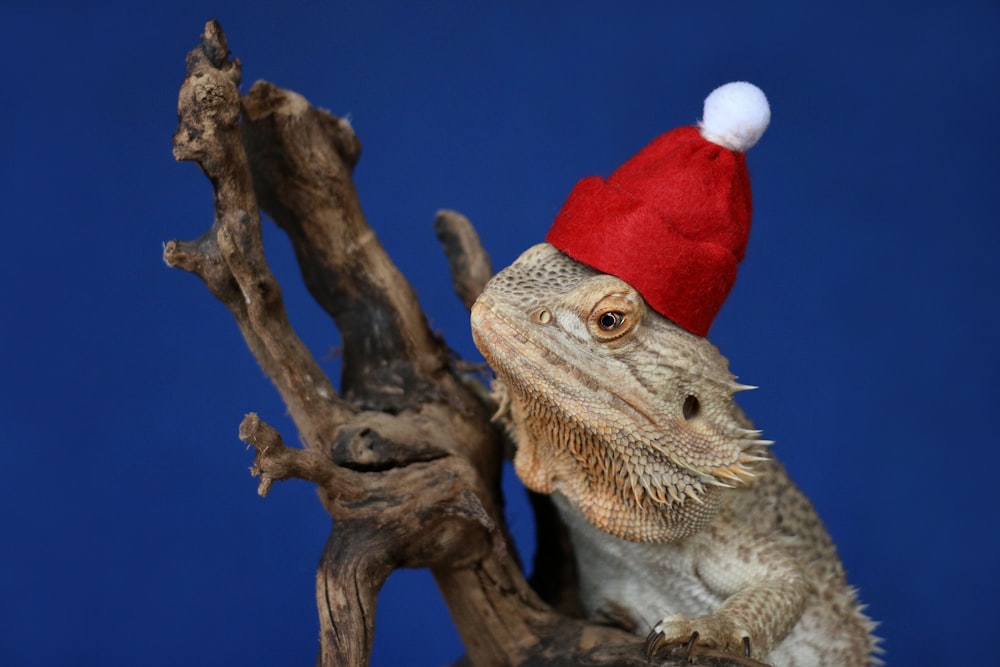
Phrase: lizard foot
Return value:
(701, 636)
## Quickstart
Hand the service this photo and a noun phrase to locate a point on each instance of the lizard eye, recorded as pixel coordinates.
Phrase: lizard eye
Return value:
(613, 316)
(610, 321)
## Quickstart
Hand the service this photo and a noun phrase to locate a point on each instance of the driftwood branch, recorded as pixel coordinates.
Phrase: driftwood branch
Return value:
(469, 264)
(404, 455)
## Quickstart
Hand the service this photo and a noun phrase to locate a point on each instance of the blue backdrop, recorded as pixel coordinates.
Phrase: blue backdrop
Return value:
(866, 308)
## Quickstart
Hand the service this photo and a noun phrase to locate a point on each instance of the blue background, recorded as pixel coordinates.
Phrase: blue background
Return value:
(866, 308)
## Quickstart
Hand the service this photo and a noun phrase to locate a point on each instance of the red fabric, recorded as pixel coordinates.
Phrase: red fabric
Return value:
(673, 222)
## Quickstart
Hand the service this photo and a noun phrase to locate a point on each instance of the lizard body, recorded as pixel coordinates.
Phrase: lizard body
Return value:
(680, 518)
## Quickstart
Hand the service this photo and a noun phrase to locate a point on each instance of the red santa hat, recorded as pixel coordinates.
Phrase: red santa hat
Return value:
(673, 221)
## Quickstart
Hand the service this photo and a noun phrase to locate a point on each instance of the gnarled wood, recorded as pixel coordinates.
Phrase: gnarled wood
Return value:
(405, 458)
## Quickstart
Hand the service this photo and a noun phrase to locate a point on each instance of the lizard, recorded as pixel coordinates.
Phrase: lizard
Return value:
(680, 517)
(682, 521)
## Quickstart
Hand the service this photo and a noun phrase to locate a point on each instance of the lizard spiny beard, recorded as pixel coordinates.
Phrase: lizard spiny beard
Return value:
(622, 487)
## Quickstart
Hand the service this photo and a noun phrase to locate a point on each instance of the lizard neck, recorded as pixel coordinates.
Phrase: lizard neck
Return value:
(662, 504)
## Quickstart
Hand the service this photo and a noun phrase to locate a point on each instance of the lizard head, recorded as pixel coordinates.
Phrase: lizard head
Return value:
(627, 415)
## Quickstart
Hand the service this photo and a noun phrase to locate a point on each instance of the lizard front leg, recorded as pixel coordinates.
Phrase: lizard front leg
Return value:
(764, 591)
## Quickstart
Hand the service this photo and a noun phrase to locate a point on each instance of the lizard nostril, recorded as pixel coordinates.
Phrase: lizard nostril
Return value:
(691, 408)
(542, 316)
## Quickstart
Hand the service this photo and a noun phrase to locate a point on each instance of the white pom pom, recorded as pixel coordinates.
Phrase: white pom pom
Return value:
(735, 116)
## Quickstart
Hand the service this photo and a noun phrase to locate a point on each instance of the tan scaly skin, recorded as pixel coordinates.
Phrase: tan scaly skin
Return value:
(680, 517)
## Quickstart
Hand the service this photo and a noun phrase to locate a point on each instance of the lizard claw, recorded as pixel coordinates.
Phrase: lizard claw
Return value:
(654, 641)
(702, 636)
(657, 640)
(690, 645)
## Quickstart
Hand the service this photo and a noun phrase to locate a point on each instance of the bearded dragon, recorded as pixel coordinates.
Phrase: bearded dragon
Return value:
(680, 518)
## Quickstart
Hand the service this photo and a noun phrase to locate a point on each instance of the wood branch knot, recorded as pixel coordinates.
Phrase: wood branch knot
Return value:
(209, 98)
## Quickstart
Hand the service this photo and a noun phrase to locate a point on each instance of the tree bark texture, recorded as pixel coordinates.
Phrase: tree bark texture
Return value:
(405, 457)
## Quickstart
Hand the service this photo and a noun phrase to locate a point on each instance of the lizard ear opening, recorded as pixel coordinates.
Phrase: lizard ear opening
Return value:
(691, 407)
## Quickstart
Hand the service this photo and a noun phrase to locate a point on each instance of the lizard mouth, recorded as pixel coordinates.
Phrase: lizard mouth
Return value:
(480, 316)
(514, 356)
(498, 339)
